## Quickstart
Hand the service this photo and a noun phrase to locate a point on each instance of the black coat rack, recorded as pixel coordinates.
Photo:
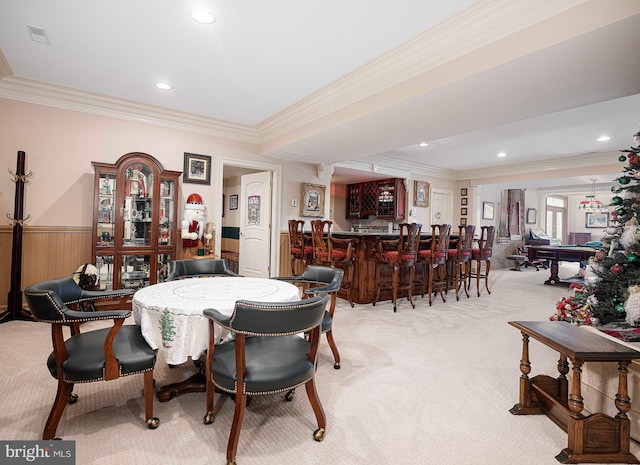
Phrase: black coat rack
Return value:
(14, 308)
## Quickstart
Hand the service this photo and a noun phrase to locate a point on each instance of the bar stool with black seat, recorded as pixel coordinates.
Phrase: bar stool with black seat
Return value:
(433, 261)
(461, 257)
(400, 253)
(299, 248)
(331, 251)
(483, 254)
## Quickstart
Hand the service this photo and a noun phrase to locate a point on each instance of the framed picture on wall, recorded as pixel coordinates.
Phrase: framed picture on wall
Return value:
(463, 211)
(463, 201)
(197, 169)
(420, 194)
(463, 192)
(312, 200)
(233, 202)
(463, 221)
(532, 215)
(487, 210)
(596, 220)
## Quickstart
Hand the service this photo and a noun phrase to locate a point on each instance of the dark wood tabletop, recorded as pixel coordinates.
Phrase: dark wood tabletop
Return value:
(574, 342)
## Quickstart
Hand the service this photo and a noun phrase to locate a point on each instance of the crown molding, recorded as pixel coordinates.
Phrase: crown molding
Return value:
(26, 90)
(483, 23)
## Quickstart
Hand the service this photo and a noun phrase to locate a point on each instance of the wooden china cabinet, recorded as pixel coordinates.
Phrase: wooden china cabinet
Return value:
(134, 221)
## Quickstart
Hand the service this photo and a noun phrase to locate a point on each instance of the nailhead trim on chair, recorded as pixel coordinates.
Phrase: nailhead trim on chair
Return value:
(76, 320)
(115, 294)
(120, 375)
(260, 393)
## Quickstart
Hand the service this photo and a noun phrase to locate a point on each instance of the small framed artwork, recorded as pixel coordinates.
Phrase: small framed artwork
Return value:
(463, 201)
(233, 202)
(463, 192)
(487, 210)
(197, 169)
(532, 215)
(596, 220)
(463, 211)
(463, 221)
(420, 194)
(312, 200)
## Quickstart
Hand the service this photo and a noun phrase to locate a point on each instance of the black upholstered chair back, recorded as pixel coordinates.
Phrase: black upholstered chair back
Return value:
(98, 355)
(278, 319)
(46, 299)
(179, 269)
(325, 278)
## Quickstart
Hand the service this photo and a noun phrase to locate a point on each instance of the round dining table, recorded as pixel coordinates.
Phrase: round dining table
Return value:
(170, 313)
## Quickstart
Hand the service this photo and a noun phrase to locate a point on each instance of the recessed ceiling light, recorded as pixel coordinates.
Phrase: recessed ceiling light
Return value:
(202, 16)
(502, 155)
(423, 144)
(603, 138)
(164, 86)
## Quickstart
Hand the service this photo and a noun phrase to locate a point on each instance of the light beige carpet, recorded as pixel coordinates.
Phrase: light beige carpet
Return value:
(430, 385)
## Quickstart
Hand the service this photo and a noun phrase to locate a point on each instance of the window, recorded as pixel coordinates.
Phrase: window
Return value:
(556, 218)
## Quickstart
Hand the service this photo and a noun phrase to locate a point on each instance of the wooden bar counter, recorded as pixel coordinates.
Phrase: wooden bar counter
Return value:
(363, 290)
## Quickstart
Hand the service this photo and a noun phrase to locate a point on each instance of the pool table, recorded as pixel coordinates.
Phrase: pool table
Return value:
(555, 254)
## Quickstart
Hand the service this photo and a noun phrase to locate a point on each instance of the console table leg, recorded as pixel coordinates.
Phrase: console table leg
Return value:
(563, 383)
(525, 407)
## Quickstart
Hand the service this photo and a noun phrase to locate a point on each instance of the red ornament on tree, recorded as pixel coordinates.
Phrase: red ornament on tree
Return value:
(616, 269)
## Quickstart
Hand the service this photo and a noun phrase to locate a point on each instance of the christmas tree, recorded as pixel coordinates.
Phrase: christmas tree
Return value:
(611, 292)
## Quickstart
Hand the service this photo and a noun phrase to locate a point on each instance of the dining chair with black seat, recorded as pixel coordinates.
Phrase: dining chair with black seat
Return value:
(268, 356)
(198, 268)
(459, 260)
(77, 298)
(98, 355)
(432, 258)
(314, 280)
(333, 251)
(482, 254)
(300, 247)
(400, 254)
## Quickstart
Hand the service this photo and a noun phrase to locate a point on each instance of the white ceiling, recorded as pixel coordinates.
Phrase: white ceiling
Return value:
(352, 80)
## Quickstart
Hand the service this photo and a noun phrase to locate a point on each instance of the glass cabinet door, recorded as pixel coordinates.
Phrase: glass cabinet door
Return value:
(164, 260)
(135, 271)
(104, 264)
(106, 210)
(138, 206)
(167, 205)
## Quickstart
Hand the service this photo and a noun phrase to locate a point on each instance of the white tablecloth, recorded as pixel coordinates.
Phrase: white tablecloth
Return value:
(170, 314)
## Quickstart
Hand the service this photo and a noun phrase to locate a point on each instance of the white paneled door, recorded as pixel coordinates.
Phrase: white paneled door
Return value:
(255, 225)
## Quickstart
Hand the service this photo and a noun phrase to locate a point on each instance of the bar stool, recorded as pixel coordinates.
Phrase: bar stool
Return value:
(399, 253)
(460, 256)
(483, 254)
(331, 251)
(298, 248)
(433, 261)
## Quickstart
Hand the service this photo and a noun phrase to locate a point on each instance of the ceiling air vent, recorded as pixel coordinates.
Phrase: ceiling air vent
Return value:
(38, 34)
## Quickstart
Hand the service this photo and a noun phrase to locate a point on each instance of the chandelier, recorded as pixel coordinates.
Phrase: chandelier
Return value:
(591, 204)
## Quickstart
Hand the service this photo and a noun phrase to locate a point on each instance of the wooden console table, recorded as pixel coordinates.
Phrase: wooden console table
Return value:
(593, 438)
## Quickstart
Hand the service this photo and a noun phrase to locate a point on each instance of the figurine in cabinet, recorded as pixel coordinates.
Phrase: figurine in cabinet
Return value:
(136, 183)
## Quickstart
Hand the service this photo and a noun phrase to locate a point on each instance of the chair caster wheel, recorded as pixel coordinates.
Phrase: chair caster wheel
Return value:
(73, 398)
(318, 434)
(208, 418)
(336, 366)
(289, 395)
(153, 423)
